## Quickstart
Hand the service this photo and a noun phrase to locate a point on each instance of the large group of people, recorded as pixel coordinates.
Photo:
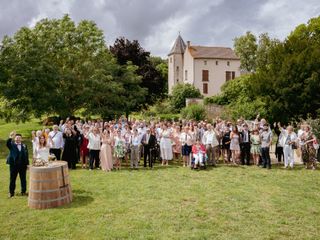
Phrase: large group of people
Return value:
(108, 145)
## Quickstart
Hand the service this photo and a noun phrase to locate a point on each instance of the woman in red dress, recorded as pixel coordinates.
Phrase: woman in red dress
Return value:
(84, 151)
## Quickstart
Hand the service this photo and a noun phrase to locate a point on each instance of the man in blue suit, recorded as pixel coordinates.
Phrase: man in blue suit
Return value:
(18, 161)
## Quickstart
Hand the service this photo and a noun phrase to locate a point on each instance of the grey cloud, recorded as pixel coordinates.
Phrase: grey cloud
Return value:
(155, 23)
(14, 15)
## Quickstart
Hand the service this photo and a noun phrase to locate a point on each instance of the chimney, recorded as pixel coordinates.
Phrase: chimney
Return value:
(188, 44)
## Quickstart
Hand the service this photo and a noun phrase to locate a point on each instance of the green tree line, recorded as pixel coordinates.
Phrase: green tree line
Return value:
(283, 77)
(59, 67)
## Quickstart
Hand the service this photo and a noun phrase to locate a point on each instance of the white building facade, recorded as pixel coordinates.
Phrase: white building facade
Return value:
(206, 68)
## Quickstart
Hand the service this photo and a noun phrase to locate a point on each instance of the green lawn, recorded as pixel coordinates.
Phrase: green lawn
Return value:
(173, 203)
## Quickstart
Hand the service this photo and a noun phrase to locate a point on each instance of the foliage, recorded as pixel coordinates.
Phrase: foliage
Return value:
(254, 51)
(216, 99)
(194, 111)
(246, 48)
(285, 81)
(59, 67)
(289, 85)
(239, 99)
(152, 70)
(246, 108)
(161, 107)
(315, 125)
(179, 94)
(150, 116)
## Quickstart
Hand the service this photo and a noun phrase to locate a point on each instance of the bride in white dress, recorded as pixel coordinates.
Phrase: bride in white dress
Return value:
(41, 150)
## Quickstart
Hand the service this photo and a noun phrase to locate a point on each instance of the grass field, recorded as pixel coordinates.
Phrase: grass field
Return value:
(172, 203)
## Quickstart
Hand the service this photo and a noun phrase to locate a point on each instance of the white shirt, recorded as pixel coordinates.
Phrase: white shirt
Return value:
(292, 137)
(300, 133)
(135, 140)
(245, 136)
(94, 141)
(19, 147)
(210, 137)
(57, 139)
(185, 138)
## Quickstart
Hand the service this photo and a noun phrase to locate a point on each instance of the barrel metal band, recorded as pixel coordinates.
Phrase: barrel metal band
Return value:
(51, 180)
(46, 191)
(50, 200)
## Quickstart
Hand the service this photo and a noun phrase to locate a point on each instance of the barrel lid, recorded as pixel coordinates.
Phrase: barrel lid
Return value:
(52, 165)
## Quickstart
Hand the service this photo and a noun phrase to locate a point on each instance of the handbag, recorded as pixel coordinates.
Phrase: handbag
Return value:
(294, 146)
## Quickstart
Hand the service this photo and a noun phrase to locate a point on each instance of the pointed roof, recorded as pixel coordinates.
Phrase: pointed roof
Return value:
(179, 46)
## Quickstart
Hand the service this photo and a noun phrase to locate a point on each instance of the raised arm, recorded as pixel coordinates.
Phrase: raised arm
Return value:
(9, 141)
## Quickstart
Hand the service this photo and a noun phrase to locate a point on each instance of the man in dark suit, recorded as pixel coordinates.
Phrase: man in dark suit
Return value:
(245, 145)
(18, 161)
(148, 141)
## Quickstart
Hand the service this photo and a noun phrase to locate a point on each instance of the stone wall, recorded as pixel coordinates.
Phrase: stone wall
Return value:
(213, 110)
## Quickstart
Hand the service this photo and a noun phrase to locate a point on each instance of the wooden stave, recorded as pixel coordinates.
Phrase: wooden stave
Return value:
(48, 188)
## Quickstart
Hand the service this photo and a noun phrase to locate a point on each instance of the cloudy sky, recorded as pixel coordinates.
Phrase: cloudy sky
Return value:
(156, 23)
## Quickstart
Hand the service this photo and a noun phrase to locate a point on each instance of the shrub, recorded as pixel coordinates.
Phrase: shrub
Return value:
(217, 99)
(179, 94)
(162, 107)
(194, 111)
(246, 108)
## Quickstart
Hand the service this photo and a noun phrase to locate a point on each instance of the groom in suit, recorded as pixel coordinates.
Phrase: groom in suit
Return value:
(245, 145)
(148, 141)
(18, 161)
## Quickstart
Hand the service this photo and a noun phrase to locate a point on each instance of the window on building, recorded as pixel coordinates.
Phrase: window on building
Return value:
(205, 62)
(230, 75)
(217, 63)
(205, 75)
(171, 59)
(228, 63)
(177, 70)
(186, 75)
(205, 88)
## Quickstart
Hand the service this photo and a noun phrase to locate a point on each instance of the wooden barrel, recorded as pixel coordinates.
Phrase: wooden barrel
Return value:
(49, 186)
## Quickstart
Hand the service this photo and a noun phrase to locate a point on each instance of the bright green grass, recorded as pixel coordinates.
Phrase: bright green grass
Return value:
(22, 128)
(173, 203)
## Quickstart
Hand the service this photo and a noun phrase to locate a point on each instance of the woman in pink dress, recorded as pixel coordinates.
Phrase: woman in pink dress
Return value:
(106, 152)
(176, 147)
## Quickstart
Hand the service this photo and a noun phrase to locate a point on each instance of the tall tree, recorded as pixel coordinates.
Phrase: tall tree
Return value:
(151, 78)
(59, 67)
(291, 82)
(246, 48)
